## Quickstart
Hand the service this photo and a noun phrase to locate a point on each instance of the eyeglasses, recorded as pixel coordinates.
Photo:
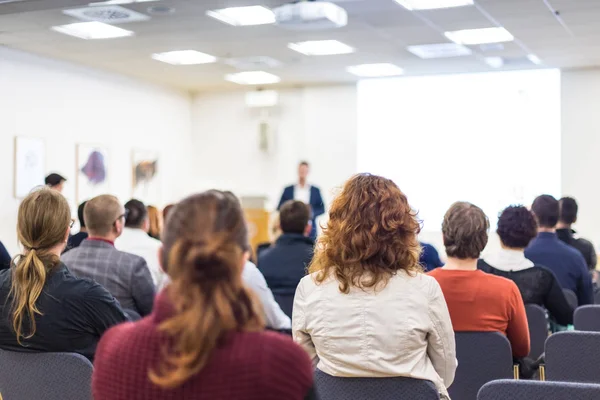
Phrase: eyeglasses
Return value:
(70, 226)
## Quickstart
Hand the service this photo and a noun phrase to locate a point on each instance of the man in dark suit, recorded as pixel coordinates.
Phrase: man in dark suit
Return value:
(568, 216)
(306, 193)
(125, 276)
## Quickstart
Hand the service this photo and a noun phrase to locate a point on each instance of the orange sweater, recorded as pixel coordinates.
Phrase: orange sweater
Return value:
(486, 303)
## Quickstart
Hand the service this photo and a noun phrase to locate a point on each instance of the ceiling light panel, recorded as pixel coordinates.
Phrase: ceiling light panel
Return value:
(106, 14)
(440, 50)
(375, 70)
(321, 47)
(184, 57)
(433, 4)
(243, 16)
(252, 78)
(494, 62)
(92, 30)
(480, 36)
(117, 2)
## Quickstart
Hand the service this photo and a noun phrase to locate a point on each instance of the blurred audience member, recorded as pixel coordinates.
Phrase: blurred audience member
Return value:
(478, 302)
(285, 263)
(155, 218)
(5, 259)
(166, 212)
(367, 310)
(76, 239)
(43, 307)
(213, 323)
(125, 275)
(135, 239)
(565, 261)
(564, 231)
(430, 259)
(537, 284)
(56, 182)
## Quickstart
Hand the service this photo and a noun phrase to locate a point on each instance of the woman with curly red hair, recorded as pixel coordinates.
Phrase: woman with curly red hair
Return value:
(366, 309)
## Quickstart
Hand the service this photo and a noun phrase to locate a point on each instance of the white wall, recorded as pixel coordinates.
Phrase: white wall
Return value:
(66, 105)
(313, 124)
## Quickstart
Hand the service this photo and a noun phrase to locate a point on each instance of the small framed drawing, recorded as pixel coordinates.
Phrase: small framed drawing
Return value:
(30, 165)
(145, 182)
(92, 171)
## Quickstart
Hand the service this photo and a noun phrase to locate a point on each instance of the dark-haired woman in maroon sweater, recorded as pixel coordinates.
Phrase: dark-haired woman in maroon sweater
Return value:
(205, 337)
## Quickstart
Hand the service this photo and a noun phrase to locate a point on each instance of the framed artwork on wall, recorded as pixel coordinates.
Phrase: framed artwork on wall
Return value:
(145, 182)
(30, 165)
(92, 171)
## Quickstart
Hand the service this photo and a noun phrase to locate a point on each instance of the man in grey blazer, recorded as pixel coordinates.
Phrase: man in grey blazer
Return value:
(125, 276)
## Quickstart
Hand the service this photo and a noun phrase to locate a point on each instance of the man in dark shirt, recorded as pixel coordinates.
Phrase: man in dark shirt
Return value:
(76, 239)
(568, 216)
(565, 261)
(284, 264)
(430, 259)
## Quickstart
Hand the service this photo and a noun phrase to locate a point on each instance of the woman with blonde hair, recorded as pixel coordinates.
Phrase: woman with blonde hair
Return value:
(205, 339)
(43, 307)
(156, 222)
(366, 309)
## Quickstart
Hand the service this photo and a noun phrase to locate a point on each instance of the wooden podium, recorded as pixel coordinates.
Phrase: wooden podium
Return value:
(258, 218)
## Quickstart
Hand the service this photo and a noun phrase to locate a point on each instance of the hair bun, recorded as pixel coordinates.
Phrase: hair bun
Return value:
(211, 261)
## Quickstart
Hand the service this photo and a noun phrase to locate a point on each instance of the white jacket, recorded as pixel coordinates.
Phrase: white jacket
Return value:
(403, 329)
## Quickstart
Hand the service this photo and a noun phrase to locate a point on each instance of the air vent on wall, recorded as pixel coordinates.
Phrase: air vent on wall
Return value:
(108, 14)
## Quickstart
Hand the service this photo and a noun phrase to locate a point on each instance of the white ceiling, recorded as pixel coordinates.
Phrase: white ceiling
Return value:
(380, 30)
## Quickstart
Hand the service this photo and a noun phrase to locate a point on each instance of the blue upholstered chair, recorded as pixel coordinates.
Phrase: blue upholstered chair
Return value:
(45, 376)
(538, 329)
(573, 357)
(482, 357)
(397, 388)
(535, 390)
(587, 318)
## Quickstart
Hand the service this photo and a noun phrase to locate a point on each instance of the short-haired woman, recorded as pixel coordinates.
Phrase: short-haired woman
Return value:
(43, 307)
(205, 339)
(366, 309)
(517, 227)
(478, 302)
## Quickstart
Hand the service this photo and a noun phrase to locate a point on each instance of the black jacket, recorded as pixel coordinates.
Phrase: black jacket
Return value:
(285, 262)
(585, 247)
(4, 257)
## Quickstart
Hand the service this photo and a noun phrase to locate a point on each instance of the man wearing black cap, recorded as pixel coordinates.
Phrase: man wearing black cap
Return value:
(56, 182)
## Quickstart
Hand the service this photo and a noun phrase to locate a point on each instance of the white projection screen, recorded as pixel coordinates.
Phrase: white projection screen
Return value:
(489, 138)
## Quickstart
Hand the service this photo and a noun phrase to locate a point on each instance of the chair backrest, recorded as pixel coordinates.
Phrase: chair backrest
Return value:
(395, 388)
(482, 357)
(47, 376)
(587, 318)
(573, 357)
(536, 390)
(286, 302)
(538, 329)
(571, 298)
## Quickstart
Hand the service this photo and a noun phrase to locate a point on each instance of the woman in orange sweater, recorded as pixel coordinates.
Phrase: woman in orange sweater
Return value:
(478, 301)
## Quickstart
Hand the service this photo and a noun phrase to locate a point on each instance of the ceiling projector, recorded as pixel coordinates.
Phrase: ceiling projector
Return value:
(311, 15)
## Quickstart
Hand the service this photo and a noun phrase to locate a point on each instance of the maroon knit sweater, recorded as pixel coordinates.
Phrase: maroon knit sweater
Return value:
(247, 366)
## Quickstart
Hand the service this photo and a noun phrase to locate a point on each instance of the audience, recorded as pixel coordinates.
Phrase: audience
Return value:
(155, 226)
(76, 239)
(43, 307)
(366, 310)
(5, 258)
(430, 259)
(125, 275)
(56, 182)
(166, 211)
(213, 324)
(135, 240)
(568, 216)
(538, 285)
(566, 262)
(285, 263)
(478, 302)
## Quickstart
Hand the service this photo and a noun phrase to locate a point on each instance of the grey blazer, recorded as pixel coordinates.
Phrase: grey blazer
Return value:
(125, 276)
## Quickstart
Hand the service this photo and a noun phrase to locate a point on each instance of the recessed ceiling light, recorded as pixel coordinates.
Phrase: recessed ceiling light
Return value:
(534, 59)
(243, 16)
(494, 62)
(440, 50)
(433, 4)
(321, 47)
(113, 2)
(252, 78)
(184, 57)
(480, 36)
(375, 70)
(92, 30)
